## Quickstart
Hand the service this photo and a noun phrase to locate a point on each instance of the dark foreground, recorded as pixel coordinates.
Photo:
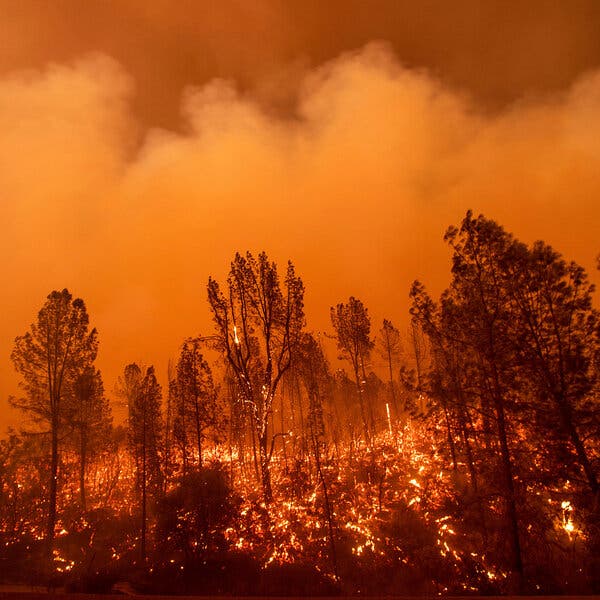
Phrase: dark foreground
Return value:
(12, 593)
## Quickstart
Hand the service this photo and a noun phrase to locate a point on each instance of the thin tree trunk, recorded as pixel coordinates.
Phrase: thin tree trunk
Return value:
(168, 428)
(298, 394)
(507, 469)
(198, 431)
(230, 436)
(462, 421)
(371, 421)
(391, 373)
(362, 407)
(517, 560)
(328, 511)
(264, 467)
(82, 467)
(53, 490)
(143, 533)
(283, 444)
(254, 454)
(450, 438)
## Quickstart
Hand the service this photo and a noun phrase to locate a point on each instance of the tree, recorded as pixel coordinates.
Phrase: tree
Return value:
(49, 357)
(258, 328)
(513, 343)
(450, 370)
(478, 305)
(169, 462)
(196, 399)
(90, 418)
(352, 326)
(418, 344)
(314, 372)
(143, 396)
(555, 339)
(390, 348)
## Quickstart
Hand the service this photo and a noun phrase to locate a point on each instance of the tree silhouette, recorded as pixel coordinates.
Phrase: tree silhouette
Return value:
(555, 338)
(258, 327)
(49, 357)
(513, 344)
(390, 349)
(476, 299)
(197, 408)
(352, 326)
(143, 395)
(90, 417)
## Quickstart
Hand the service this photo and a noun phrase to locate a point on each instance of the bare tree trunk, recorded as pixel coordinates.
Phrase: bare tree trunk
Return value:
(507, 468)
(289, 387)
(264, 467)
(82, 467)
(283, 444)
(417, 349)
(230, 436)
(361, 403)
(168, 427)
(462, 421)
(517, 560)
(53, 490)
(183, 439)
(298, 394)
(450, 438)
(371, 420)
(254, 454)
(391, 374)
(144, 484)
(328, 511)
(198, 432)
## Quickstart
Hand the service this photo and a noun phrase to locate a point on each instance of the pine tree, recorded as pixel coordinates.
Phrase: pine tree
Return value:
(352, 326)
(390, 349)
(91, 420)
(143, 395)
(197, 408)
(49, 357)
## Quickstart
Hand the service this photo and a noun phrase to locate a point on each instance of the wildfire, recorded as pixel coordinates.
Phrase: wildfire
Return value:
(390, 488)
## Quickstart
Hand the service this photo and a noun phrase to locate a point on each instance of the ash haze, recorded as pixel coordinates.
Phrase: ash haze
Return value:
(136, 159)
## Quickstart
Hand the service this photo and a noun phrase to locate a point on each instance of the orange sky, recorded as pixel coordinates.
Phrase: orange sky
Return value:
(141, 148)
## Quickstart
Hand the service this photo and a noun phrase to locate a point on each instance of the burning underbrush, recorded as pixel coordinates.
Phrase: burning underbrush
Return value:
(393, 516)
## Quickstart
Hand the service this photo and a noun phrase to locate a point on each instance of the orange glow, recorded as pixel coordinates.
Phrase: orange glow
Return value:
(356, 191)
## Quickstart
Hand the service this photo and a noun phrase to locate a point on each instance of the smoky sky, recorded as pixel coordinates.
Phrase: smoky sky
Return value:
(142, 146)
(497, 50)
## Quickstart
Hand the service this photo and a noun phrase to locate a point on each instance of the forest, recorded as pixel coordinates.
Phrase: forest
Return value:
(466, 462)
